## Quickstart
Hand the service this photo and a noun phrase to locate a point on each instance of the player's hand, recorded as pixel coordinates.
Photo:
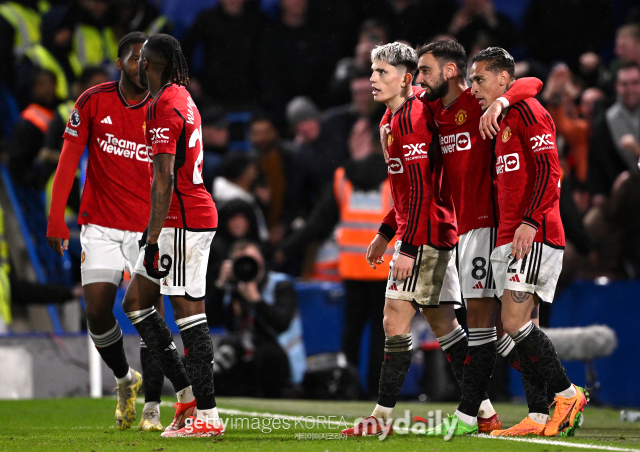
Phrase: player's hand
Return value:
(489, 127)
(522, 241)
(152, 261)
(249, 291)
(403, 267)
(226, 272)
(58, 244)
(385, 130)
(376, 250)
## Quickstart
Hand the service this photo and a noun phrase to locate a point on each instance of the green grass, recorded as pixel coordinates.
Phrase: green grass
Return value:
(79, 424)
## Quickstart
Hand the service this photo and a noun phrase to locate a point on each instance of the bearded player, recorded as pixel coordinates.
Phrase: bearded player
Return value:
(182, 224)
(530, 242)
(467, 159)
(422, 218)
(113, 213)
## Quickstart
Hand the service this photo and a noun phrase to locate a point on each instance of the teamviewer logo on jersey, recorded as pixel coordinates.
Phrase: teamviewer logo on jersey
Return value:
(463, 141)
(157, 135)
(511, 162)
(395, 166)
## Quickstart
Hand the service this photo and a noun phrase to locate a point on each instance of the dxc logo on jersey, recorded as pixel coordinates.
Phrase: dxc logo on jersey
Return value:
(157, 135)
(541, 142)
(414, 149)
(395, 166)
(455, 142)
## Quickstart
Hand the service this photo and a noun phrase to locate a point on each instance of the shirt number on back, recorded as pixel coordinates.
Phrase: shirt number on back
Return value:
(196, 137)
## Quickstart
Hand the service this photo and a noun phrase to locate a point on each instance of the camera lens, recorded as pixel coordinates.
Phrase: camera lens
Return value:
(245, 268)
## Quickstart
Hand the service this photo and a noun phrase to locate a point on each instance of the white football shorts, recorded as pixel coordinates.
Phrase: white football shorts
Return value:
(189, 253)
(537, 273)
(107, 253)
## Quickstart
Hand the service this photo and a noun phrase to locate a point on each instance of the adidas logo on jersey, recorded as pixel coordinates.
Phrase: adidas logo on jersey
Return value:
(514, 278)
(106, 120)
(478, 286)
(393, 287)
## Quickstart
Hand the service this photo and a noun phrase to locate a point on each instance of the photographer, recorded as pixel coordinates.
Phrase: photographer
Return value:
(263, 353)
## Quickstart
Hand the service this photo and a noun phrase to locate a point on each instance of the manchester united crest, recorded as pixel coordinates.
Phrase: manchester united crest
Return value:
(82, 258)
(144, 128)
(461, 117)
(506, 134)
(389, 140)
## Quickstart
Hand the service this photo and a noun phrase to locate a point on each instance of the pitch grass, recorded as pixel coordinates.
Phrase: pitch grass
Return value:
(79, 424)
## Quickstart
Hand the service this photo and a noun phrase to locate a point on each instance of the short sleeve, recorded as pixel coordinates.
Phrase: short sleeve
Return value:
(162, 134)
(78, 126)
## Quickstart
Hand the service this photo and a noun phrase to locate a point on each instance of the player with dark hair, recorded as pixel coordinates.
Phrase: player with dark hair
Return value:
(422, 218)
(530, 242)
(182, 223)
(114, 207)
(442, 69)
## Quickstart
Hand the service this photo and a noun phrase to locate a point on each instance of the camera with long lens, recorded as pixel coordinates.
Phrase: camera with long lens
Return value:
(245, 269)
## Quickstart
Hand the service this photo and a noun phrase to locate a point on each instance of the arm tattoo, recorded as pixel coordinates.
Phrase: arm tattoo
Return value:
(519, 297)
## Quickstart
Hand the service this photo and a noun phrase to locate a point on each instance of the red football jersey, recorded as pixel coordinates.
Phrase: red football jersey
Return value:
(528, 174)
(116, 190)
(173, 127)
(423, 209)
(467, 157)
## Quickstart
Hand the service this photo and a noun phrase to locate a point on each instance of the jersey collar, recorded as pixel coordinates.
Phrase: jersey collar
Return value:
(126, 103)
(402, 104)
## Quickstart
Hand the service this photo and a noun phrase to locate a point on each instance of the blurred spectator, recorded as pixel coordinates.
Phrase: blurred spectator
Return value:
(315, 159)
(562, 30)
(215, 142)
(236, 221)
(275, 162)
(137, 15)
(478, 20)
(29, 133)
(627, 47)
(573, 122)
(264, 352)
(348, 68)
(361, 108)
(291, 50)
(237, 178)
(19, 29)
(353, 206)
(229, 34)
(614, 145)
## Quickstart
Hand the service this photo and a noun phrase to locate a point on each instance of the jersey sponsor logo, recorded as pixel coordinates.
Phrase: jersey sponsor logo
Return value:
(415, 151)
(455, 142)
(506, 134)
(395, 166)
(70, 131)
(158, 136)
(541, 142)
(106, 120)
(510, 162)
(74, 120)
(124, 148)
(460, 117)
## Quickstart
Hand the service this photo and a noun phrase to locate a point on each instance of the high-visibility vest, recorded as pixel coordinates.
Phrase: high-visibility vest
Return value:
(39, 116)
(26, 23)
(94, 47)
(156, 25)
(42, 58)
(361, 213)
(5, 268)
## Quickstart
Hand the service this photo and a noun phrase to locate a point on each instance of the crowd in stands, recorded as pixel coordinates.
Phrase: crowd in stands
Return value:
(299, 74)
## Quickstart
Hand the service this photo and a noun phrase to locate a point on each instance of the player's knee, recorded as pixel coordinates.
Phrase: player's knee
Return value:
(129, 303)
(511, 325)
(392, 325)
(97, 312)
